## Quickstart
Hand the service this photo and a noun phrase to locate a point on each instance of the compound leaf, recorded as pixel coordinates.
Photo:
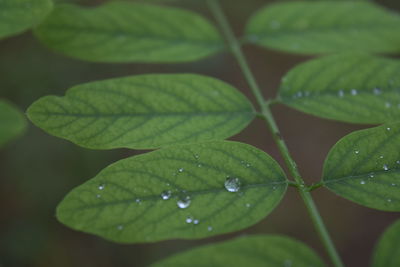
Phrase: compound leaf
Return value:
(177, 192)
(129, 32)
(354, 88)
(364, 167)
(254, 251)
(12, 122)
(386, 253)
(17, 16)
(314, 27)
(145, 111)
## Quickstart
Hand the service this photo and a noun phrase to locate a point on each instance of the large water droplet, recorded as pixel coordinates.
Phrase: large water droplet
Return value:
(385, 167)
(183, 202)
(101, 187)
(232, 184)
(377, 91)
(166, 194)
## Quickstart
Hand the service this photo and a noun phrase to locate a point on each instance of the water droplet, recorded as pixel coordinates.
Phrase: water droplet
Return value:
(183, 202)
(189, 219)
(371, 175)
(209, 228)
(362, 182)
(196, 156)
(274, 187)
(138, 200)
(341, 93)
(199, 165)
(393, 184)
(389, 200)
(299, 94)
(398, 161)
(195, 221)
(98, 196)
(356, 151)
(248, 165)
(101, 187)
(388, 104)
(377, 91)
(381, 156)
(180, 170)
(166, 194)
(120, 227)
(385, 167)
(388, 128)
(248, 205)
(232, 184)
(353, 92)
(274, 24)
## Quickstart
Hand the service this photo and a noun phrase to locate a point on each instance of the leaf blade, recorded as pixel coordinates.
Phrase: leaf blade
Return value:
(18, 16)
(144, 111)
(129, 32)
(310, 27)
(12, 122)
(364, 168)
(260, 250)
(131, 208)
(386, 250)
(354, 88)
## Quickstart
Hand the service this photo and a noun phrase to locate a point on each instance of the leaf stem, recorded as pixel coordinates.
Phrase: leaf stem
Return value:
(268, 117)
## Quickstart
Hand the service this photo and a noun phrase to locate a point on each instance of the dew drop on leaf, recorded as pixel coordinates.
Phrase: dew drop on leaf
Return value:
(180, 170)
(377, 91)
(232, 184)
(209, 228)
(120, 227)
(196, 221)
(362, 182)
(101, 187)
(385, 167)
(183, 202)
(189, 219)
(353, 92)
(166, 194)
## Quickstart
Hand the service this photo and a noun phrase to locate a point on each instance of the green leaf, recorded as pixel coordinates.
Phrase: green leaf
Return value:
(352, 88)
(146, 111)
(314, 27)
(386, 252)
(124, 202)
(254, 251)
(17, 16)
(364, 167)
(128, 32)
(12, 122)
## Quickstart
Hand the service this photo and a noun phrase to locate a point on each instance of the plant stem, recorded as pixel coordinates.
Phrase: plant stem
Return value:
(266, 114)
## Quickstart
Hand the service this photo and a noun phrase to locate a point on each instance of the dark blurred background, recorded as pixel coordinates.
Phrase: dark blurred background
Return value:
(38, 170)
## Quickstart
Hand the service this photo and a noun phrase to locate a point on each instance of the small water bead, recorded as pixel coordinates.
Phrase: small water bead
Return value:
(341, 93)
(232, 184)
(196, 221)
(398, 161)
(393, 184)
(120, 227)
(98, 196)
(166, 194)
(180, 170)
(248, 205)
(388, 128)
(196, 156)
(388, 104)
(353, 92)
(381, 156)
(371, 175)
(138, 200)
(377, 91)
(199, 165)
(389, 200)
(189, 219)
(385, 167)
(183, 202)
(209, 228)
(356, 151)
(287, 263)
(362, 182)
(101, 187)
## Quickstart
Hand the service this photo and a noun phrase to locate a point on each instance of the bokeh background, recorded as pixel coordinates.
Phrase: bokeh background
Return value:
(38, 170)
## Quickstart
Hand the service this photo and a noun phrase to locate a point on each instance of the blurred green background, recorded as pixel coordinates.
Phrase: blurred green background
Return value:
(37, 170)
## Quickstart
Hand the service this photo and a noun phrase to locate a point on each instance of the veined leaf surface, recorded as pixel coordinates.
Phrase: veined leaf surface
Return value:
(354, 88)
(17, 16)
(177, 192)
(386, 252)
(143, 112)
(364, 167)
(315, 27)
(12, 122)
(254, 251)
(129, 32)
